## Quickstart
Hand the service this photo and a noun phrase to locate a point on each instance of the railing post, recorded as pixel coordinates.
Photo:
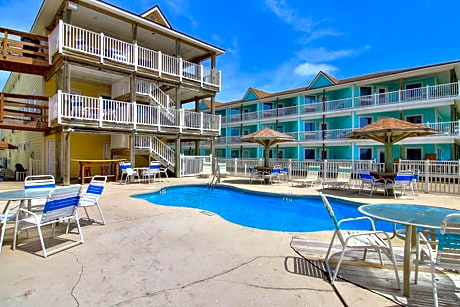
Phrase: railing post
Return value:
(2, 106)
(245, 168)
(160, 64)
(236, 165)
(201, 75)
(399, 95)
(201, 122)
(158, 119)
(181, 119)
(324, 170)
(59, 107)
(102, 48)
(375, 99)
(290, 170)
(134, 115)
(60, 35)
(458, 88)
(136, 56)
(427, 175)
(458, 127)
(220, 79)
(180, 69)
(167, 101)
(100, 111)
(427, 92)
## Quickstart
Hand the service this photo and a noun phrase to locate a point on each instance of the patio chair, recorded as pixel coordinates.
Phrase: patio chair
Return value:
(312, 177)
(164, 170)
(446, 254)
(415, 179)
(223, 169)
(152, 172)
(8, 216)
(343, 178)
(358, 239)
(369, 180)
(20, 172)
(404, 180)
(284, 174)
(128, 172)
(60, 206)
(255, 175)
(207, 170)
(274, 176)
(39, 182)
(92, 195)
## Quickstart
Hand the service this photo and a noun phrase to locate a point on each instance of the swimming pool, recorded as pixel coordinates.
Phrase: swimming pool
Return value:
(261, 210)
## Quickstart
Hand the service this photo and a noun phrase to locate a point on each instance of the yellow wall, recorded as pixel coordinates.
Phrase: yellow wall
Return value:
(87, 89)
(86, 146)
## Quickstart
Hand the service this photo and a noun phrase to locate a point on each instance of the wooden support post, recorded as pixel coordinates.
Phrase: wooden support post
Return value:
(5, 45)
(2, 106)
(57, 156)
(59, 85)
(66, 77)
(132, 153)
(133, 88)
(177, 165)
(66, 158)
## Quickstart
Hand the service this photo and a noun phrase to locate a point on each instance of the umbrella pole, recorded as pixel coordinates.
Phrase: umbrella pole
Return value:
(388, 150)
(266, 155)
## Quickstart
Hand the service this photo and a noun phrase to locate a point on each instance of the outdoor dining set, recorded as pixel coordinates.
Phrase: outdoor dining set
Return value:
(42, 204)
(142, 174)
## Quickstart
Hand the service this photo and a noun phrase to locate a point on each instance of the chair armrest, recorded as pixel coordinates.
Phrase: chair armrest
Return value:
(358, 218)
(422, 238)
(367, 233)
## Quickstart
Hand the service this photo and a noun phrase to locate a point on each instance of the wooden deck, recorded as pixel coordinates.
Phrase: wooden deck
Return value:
(23, 112)
(368, 274)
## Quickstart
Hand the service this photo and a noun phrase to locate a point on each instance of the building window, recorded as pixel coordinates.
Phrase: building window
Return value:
(246, 154)
(245, 131)
(218, 153)
(415, 119)
(280, 154)
(280, 129)
(235, 132)
(234, 154)
(234, 111)
(364, 121)
(309, 154)
(268, 106)
(310, 99)
(365, 153)
(309, 126)
(413, 153)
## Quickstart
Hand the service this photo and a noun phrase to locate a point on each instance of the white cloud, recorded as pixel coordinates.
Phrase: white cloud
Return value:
(290, 16)
(310, 69)
(322, 54)
(317, 34)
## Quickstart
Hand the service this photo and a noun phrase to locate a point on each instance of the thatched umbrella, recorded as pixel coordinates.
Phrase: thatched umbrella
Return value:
(390, 131)
(5, 145)
(267, 138)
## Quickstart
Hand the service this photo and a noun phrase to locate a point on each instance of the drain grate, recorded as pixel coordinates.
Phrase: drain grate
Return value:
(208, 213)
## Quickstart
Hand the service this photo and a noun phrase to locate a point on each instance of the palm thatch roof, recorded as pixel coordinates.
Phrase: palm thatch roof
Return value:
(267, 137)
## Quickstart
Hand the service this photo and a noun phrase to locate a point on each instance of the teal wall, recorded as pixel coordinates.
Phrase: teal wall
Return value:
(321, 81)
(250, 96)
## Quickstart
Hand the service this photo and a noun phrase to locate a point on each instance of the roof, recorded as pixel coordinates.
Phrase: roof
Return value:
(392, 128)
(156, 9)
(260, 94)
(208, 103)
(267, 137)
(349, 80)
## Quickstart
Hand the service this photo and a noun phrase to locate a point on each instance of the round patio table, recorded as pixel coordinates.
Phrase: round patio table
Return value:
(266, 171)
(411, 216)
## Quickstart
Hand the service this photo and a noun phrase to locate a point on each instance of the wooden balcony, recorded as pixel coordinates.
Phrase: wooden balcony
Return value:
(23, 52)
(23, 112)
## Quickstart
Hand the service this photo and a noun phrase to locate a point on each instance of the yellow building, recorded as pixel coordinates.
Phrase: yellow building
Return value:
(116, 83)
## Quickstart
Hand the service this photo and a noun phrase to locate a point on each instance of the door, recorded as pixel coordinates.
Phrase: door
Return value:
(107, 151)
(381, 97)
(365, 98)
(50, 157)
(381, 156)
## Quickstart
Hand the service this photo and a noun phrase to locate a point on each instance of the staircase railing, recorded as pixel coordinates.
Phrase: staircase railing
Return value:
(157, 147)
(152, 90)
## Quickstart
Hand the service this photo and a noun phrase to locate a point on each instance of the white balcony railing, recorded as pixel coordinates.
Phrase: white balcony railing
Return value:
(441, 91)
(64, 106)
(68, 37)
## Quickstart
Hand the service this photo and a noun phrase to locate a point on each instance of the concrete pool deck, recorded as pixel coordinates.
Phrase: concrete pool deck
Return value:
(156, 255)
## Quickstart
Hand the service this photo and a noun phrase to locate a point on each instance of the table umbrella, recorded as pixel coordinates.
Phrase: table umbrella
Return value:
(5, 145)
(390, 131)
(267, 138)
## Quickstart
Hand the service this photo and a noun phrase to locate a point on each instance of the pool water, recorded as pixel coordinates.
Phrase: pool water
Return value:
(262, 210)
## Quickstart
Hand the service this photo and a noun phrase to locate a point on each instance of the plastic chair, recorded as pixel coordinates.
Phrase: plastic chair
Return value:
(404, 180)
(274, 176)
(358, 239)
(447, 252)
(128, 172)
(312, 177)
(152, 171)
(164, 170)
(369, 180)
(92, 195)
(39, 182)
(284, 174)
(343, 178)
(60, 206)
(255, 175)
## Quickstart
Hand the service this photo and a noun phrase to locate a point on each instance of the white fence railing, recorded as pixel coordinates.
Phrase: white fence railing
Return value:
(68, 37)
(193, 165)
(35, 167)
(434, 92)
(156, 146)
(144, 87)
(64, 106)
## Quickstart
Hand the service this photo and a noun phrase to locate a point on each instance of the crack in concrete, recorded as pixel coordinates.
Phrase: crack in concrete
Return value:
(151, 294)
(275, 288)
(79, 278)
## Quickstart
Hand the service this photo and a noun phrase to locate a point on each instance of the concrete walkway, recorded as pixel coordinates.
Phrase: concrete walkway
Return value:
(155, 255)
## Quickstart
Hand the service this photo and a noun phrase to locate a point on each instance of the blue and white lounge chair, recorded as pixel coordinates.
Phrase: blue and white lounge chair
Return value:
(312, 177)
(255, 175)
(274, 176)
(358, 239)
(403, 181)
(343, 178)
(368, 180)
(128, 172)
(284, 174)
(152, 172)
(60, 206)
(92, 196)
(446, 255)
(39, 182)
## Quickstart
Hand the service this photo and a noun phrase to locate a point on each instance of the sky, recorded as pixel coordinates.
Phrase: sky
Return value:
(275, 45)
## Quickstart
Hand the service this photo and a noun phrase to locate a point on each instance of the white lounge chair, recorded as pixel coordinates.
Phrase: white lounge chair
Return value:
(358, 239)
(343, 178)
(223, 169)
(92, 195)
(164, 170)
(39, 182)
(60, 206)
(446, 255)
(368, 180)
(312, 177)
(274, 176)
(207, 170)
(284, 174)
(404, 180)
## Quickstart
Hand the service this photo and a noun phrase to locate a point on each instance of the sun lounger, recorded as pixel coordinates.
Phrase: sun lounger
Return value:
(343, 178)
(207, 170)
(312, 177)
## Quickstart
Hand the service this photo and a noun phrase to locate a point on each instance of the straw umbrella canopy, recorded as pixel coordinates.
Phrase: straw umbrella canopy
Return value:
(267, 138)
(390, 131)
(5, 145)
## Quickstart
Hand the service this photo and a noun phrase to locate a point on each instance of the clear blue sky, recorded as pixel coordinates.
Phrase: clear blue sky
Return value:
(275, 45)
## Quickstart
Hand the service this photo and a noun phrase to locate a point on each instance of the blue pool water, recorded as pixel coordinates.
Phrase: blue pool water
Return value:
(261, 210)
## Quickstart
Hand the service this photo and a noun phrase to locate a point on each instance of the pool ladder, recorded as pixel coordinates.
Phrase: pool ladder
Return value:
(215, 178)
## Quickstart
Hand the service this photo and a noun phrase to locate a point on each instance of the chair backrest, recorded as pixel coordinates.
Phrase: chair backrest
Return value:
(276, 171)
(251, 170)
(344, 173)
(448, 255)
(285, 170)
(366, 176)
(19, 168)
(60, 205)
(39, 182)
(404, 178)
(332, 216)
(313, 172)
(154, 167)
(95, 188)
(207, 168)
(222, 168)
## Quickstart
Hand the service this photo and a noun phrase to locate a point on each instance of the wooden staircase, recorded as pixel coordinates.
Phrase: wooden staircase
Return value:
(23, 112)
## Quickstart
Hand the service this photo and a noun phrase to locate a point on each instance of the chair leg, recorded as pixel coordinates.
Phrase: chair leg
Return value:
(380, 257)
(79, 228)
(100, 212)
(393, 259)
(42, 242)
(338, 265)
(433, 282)
(328, 254)
(417, 259)
(87, 215)
(2, 235)
(53, 227)
(167, 177)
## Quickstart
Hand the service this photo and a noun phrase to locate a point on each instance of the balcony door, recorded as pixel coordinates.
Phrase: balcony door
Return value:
(365, 93)
(381, 95)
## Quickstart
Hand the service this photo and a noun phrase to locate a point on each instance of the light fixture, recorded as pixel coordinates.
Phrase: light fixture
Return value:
(72, 6)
